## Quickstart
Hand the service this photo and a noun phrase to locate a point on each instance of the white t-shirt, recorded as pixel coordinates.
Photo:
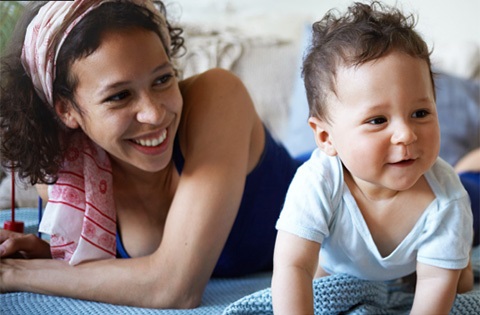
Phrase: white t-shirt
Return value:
(319, 207)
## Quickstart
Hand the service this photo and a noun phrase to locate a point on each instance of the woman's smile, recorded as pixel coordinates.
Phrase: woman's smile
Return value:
(152, 141)
(152, 145)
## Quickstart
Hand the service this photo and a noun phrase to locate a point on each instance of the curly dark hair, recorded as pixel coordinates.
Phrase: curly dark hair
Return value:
(364, 33)
(33, 138)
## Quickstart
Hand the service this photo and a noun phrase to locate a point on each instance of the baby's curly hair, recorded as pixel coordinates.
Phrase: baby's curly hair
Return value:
(32, 137)
(364, 33)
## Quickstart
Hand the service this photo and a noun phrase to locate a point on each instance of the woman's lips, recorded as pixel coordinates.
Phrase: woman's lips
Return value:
(152, 142)
(152, 145)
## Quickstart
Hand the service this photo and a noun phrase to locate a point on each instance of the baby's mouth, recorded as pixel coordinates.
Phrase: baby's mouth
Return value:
(407, 162)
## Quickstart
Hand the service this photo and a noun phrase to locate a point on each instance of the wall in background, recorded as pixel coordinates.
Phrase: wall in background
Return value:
(439, 20)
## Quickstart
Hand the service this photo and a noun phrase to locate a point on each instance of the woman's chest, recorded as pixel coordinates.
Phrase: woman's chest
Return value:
(140, 226)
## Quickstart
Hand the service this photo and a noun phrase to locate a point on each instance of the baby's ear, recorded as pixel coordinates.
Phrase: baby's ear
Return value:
(66, 113)
(322, 135)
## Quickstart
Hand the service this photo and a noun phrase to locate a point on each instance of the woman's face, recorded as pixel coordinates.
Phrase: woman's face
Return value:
(129, 99)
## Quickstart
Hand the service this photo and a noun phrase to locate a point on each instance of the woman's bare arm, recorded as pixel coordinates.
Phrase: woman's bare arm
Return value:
(469, 163)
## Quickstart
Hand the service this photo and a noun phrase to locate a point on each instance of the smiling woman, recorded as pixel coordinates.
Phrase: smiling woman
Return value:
(127, 104)
(138, 164)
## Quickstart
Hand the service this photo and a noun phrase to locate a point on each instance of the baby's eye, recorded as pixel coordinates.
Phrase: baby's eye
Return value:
(377, 121)
(420, 113)
(118, 97)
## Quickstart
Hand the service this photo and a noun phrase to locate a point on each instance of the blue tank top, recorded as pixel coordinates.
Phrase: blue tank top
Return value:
(250, 244)
(471, 182)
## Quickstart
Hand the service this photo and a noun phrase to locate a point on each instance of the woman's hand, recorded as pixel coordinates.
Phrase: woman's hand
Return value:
(18, 245)
(17, 274)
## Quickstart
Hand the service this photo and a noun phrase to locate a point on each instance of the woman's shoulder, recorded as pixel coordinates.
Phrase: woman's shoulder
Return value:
(215, 78)
(215, 103)
(215, 95)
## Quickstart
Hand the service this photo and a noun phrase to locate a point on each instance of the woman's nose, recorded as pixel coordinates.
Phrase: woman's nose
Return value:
(151, 111)
(403, 134)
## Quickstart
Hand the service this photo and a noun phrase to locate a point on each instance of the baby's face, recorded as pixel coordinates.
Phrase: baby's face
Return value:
(384, 121)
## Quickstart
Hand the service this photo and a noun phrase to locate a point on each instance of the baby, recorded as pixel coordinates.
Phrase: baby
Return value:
(374, 196)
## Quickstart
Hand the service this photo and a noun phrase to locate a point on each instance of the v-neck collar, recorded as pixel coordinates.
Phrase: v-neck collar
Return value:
(362, 227)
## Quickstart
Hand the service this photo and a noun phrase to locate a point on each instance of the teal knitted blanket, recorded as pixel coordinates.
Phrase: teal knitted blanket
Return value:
(337, 294)
(343, 294)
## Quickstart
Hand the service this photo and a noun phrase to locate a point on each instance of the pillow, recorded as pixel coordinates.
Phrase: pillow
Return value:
(25, 194)
(264, 62)
(461, 59)
(298, 137)
(458, 106)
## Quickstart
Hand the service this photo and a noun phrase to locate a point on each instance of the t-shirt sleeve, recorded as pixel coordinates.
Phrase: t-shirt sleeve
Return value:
(448, 236)
(448, 232)
(309, 204)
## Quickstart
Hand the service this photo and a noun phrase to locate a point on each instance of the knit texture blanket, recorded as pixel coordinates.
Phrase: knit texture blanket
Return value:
(344, 294)
(246, 295)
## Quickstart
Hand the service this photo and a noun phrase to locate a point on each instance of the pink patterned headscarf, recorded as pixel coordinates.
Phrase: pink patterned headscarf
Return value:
(48, 30)
(80, 214)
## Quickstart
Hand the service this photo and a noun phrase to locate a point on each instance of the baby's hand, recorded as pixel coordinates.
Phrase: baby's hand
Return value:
(18, 245)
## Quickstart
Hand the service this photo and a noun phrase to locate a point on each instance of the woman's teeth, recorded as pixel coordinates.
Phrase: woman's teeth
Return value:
(152, 142)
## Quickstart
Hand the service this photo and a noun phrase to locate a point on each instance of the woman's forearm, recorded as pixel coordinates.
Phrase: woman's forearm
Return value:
(119, 281)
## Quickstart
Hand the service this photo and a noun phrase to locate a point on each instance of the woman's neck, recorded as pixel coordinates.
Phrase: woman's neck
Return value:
(136, 183)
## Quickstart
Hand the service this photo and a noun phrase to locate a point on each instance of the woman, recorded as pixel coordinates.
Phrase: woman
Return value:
(183, 172)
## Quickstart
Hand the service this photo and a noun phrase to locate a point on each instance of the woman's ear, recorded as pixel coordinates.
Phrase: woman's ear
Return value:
(66, 113)
(322, 135)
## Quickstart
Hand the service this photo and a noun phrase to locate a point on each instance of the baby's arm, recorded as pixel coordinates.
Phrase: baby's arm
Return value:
(295, 263)
(435, 290)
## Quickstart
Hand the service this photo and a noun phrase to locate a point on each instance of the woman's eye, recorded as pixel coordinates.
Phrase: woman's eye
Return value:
(377, 121)
(163, 79)
(420, 114)
(118, 97)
